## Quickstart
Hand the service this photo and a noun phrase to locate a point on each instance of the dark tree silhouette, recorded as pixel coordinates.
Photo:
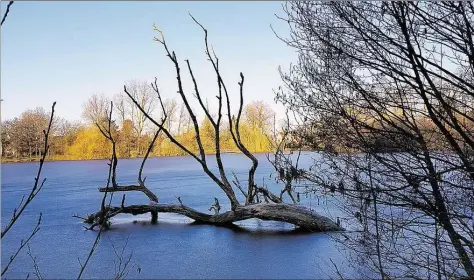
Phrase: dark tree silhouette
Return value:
(386, 88)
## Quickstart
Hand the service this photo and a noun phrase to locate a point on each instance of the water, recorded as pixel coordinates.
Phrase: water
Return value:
(172, 249)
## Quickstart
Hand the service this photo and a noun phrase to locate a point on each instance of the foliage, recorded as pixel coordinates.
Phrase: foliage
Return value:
(21, 136)
(89, 144)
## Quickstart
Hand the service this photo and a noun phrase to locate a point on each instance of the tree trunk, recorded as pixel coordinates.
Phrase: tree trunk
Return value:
(138, 146)
(299, 216)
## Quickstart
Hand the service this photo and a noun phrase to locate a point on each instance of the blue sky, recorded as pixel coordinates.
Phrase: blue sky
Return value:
(67, 51)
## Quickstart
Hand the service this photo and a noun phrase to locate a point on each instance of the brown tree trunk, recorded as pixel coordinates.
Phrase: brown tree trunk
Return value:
(299, 216)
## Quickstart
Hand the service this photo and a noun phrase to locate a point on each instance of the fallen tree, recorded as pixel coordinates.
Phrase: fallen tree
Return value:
(259, 203)
(295, 214)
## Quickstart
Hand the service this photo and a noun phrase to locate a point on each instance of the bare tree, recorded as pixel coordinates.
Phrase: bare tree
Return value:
(259, 115)
(122, 105)
(22, 136)
(170, 109)
(7, 138)
(274, 210)
(25, 133)
(143, 93)
(95, 110)
(102, 217)
(389, 86)
(184, 119)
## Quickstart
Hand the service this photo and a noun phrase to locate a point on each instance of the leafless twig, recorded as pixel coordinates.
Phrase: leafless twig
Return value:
(102, 217)
(36, 187)
(35, 264)
(121, 262)
(23, 243)
(6, 13)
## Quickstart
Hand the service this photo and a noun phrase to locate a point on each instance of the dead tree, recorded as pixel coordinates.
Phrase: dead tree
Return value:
(389, 86)
(275, 210)
(102, 218)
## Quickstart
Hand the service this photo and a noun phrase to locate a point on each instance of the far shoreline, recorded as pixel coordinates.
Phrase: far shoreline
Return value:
(13, 161)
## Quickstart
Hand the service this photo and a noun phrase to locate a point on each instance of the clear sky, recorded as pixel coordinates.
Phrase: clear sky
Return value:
(67, 51)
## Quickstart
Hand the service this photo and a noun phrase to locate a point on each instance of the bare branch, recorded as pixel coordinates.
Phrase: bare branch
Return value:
(35, 264)
(23, 243)
(36, 187)
(6, 13)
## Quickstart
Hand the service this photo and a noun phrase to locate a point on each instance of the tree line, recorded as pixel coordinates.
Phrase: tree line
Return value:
(81, 140)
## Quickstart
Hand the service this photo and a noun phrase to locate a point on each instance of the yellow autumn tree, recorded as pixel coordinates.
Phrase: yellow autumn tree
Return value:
(89, 144)
(126, 139)
(257, 125)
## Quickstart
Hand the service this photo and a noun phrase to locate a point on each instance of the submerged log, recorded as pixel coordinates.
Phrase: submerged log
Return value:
(297, 215)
